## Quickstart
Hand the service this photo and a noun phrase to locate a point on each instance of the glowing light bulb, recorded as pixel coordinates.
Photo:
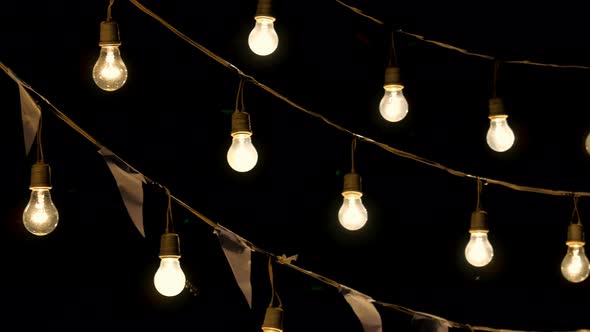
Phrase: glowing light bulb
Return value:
(500, 136)
(587, 143)
(263, 39)
(40, 216)
(393, 106)
(352, 214)
(479, 251)
(109, 72)
(241, 155)
(169, 279)
(575, 266)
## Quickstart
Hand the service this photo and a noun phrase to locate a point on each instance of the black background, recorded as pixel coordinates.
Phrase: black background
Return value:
(171, 121)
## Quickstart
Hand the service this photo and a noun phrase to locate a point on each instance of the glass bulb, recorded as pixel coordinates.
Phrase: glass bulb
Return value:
(110, 72)
(479, 251)
(242, 156)
(169, 279)
(40, 216)
(393, 106)
(352, 214)
(588, 143)
(575, 266)
(500, 137)
(263, 38)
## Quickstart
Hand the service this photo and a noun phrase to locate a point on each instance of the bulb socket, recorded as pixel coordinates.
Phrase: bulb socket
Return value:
(169, 245)
(479, 222)
(352, 182)
(240, 122)
(273, 320)
(264, 8)
(109, 34)
(575, 235)
(392, 77)
(40, 176)
(496, 107)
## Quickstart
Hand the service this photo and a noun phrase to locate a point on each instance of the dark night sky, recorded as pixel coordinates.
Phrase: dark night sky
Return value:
(171, 121)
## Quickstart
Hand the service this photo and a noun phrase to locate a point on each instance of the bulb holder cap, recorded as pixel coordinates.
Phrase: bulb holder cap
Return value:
(392, 77)
(264, 8)
(352, 182)
(575, 234)
(273, 320)
(479, 222)
(240, 122)
(109, 34)
(496, 107)
(169, 245)
(40, 176)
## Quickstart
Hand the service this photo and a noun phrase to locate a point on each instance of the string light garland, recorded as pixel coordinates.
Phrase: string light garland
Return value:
(575, 237)
(281, 259)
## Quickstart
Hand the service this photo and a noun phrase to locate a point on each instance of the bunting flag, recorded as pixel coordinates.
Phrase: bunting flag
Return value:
(421, 323)
(31, 114)
(363, 307)
(130, 183)
(238, 255)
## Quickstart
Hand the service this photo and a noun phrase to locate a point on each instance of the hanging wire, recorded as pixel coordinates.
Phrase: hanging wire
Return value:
(575, 212)
(240, 96)
(393, 54)
(109, 17)
(479, 188)
(40, 158)
(169, 220)
(352, 151)
(495, 83)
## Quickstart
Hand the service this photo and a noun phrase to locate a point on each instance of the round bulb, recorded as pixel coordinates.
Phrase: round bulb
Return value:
(263, 39)
(479, 251)
(393, 106)
(575, 266)
(500, 137)
(169, 279)
(242, 156)
(110, 72)
(40, 216)
(588, 143)
(352, 214)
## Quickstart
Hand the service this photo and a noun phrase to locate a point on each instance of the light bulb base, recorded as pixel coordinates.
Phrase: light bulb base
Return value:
(40, 176)
(109, 33)
(479, 222)
(575, 235)
(392, 77)
(240, 122)
(352, 182)
(264, 8)
(273, 319)
(496, 107)
(169, 245)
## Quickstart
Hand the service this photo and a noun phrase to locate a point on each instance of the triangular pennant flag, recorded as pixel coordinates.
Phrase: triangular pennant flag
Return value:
(363, 307)
(238, 255)
(421, 323)
(130, 185)
(31, 114)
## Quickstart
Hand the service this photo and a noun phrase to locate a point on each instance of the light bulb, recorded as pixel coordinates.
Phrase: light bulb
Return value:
(242, 156)
(352, 214)
(263, 39)
(169, 279)
(479, 251)
(393, 106)
(587, 143)
(273, 320)
(575, 266)
(500, 137)
(40, 216)
(109, 72)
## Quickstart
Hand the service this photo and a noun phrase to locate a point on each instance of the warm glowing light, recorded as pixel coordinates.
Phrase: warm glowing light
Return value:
(110, 72)
(479, 251)
(393, 106)
(500, 136)
(169, 279)
(263, 39)
(575, 266)
(40, 216)
(352, 214)
(242, 156)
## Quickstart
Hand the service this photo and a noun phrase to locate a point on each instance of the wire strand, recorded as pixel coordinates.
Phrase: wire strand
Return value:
(109, 17)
